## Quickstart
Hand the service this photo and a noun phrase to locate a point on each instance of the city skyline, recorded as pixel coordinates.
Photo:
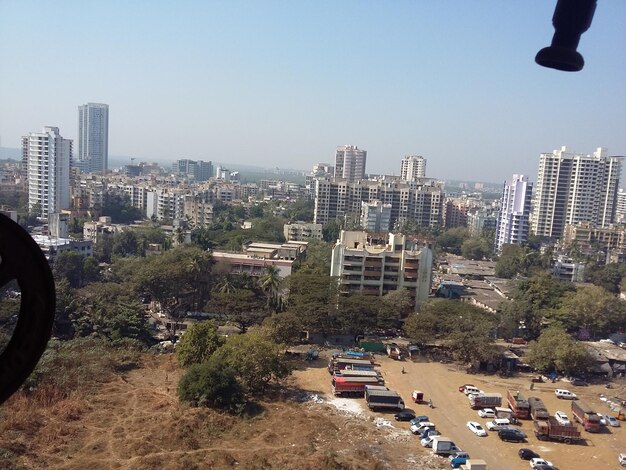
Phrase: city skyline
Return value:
(284, 86)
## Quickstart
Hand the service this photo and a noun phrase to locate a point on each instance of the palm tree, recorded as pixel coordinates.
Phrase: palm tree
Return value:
(270, 283)
(179, 236)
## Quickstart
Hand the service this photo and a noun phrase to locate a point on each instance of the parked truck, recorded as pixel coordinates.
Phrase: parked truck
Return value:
(504, 413)
(551, 430)
(444, 446)
(341, 363)
(485, 400)
(379, 398)
(352, 386)
(537, 409)
(517, 403)
(360, 373)
(585, 415)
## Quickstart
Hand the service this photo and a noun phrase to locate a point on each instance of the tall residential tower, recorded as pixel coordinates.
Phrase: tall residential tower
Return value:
(514, 219)
(573, 188)
(350, 163)
(48, 155)
(413, 167)
(93, 137)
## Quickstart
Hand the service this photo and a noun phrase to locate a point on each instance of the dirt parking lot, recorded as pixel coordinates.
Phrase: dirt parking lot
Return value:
(440, 382)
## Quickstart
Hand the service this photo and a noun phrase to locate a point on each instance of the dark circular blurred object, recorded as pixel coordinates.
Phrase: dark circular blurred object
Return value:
(23, 261)
(570, 20)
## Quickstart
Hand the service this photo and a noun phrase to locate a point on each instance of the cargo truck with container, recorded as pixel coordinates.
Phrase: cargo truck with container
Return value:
(380, 398)
(349, 364)
(585, 415)
(352, 386)
(360, 373)
(537, 409)
(551, 430)
(444, 446)
(485, 400)
(519, 405)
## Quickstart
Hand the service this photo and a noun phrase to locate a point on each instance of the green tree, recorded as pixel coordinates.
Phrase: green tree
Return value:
(555, 350)
(592, 309)
(420, 328)
(476, 248)
(198, 343)
(69, 265)
(91, 270)
(243, 307)
(109, 310)
(283, 328)
(212, 384)
(452, 240)
(120, 209)
(533, 300)
(270, 283)
(314, 296)
(255, 360)
(608, 277)
(330, 231)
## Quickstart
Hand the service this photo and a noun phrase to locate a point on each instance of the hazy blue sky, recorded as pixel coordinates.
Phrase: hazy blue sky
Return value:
(283, 83)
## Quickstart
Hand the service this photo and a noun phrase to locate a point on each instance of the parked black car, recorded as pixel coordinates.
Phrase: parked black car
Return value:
(405, 415)
(511, 435)
(527, 454)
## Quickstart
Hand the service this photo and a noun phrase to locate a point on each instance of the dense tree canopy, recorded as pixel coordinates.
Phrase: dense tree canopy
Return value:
(533, 300)
(452, 240)
(198, 343)
(555, 350)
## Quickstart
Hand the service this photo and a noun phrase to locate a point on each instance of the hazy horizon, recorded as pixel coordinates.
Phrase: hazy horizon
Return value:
(271, 84)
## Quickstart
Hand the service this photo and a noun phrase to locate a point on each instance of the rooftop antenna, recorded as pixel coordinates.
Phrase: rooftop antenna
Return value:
(571, 19)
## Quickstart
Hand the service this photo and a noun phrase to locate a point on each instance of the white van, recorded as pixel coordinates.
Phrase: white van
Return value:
(498, 424)
(564, 394)
(469, 390)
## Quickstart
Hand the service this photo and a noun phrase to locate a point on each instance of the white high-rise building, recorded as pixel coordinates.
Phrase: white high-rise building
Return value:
(93, 137)
(573, 188)
(350, 163)
(514, 220)
(413, 167)
(49, 157)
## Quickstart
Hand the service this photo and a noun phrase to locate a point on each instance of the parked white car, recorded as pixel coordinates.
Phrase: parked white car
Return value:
(534, 463)
(611, 421)
(622, 460)
(476, 428)
(562, 418)
(487, 413)
(564, 394)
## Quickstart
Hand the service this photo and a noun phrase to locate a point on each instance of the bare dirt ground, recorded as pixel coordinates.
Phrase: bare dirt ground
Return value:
(451, 413)
(136, 422)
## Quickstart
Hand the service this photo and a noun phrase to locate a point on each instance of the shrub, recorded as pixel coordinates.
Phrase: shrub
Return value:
(210, 384)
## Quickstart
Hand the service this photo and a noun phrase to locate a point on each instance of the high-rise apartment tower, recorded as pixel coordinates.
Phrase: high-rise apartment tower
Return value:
(93, 137)
(514, 220)
(413, 167)
(49, 157)
(573, 188)
(350, 163)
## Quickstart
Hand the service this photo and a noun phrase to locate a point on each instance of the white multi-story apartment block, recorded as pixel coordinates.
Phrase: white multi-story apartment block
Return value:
(377, 267)
(93, 137)
(375, 216)
(514, 220)
(49, 157)
(350, 163)
(418, 201)
(573, 188)
(413, 167)
(198, 210)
